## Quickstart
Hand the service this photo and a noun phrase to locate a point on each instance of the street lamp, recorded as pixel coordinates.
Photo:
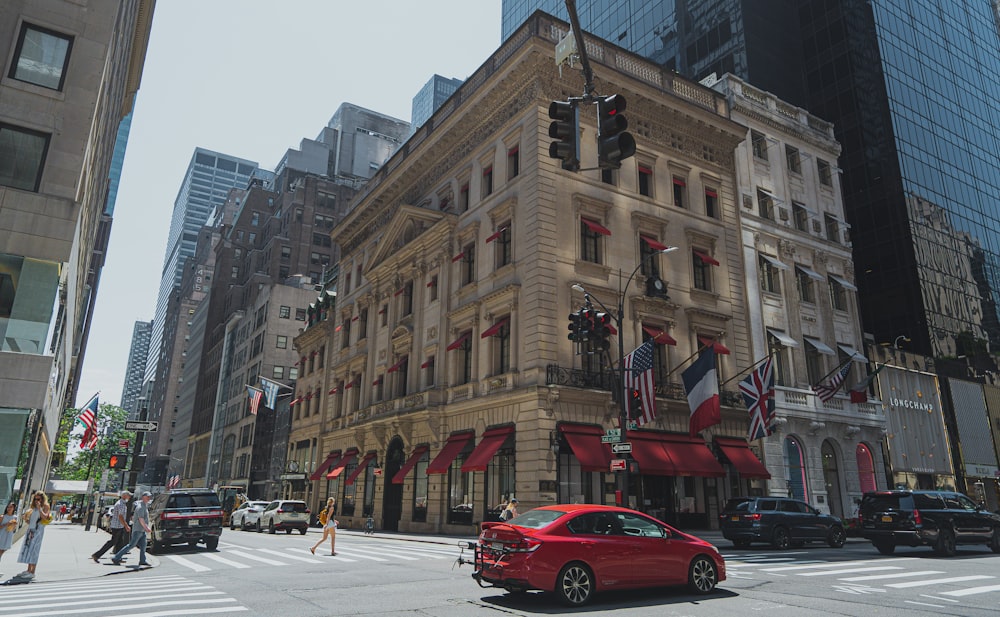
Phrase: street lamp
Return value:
(898, 338)
(619, 317)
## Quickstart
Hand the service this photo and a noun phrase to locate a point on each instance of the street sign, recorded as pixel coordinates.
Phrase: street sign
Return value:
(621, 448)
(143, 426)
(609, 439)
(123, 443)
(618, 464)
(611, 435)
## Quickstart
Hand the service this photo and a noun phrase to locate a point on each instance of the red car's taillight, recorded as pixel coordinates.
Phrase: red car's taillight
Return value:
(524, 545)
(917, 519)
(755, 517)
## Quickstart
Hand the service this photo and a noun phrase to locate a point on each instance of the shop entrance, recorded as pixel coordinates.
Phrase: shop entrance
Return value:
(392, 494)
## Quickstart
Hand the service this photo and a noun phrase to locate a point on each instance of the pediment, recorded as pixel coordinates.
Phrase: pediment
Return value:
(408, 225)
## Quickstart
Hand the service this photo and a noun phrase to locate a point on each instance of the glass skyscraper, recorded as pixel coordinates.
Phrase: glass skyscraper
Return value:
(913, 89)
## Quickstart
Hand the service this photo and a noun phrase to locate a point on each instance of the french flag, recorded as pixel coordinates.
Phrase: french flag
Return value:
(701, 384)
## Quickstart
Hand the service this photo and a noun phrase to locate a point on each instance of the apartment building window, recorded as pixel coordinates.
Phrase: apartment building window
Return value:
(680, 192)
(420, 492)
(407, 300)
(765, 205)
(286, 253)
(702, 275)
(384, 315)
(832, 228)
(513, 162)
(838, 295)
(432, 285)
(793, 159)
(801, 215)
(814, 363)
(363, 324)
(428, 365)
(758, 143)
(345, 334)
(661, 340)
(590, 240)
(463, 346)
(357, 276)
(487, 181)
(463, 198)
(278, 372)
(609, 176)
(321, 360)
(293, 373)
(824, 171)
(500, 333)
(502, 247)
(300, 314)
(779, 353)
(255, 219)
(322, 240)
(712, 203)
(282, 342)
(401, 370)
(645, 181)
(843, 358)
(648, 264)
(28, 292)
(347, 284)
(770, 274)
(284, 312)
(41, 57)
(468, 264)
(22, 157)
(805, 282)
(234, 273)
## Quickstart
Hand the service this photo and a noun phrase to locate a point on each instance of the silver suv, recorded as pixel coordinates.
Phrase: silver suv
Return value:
(284, 514)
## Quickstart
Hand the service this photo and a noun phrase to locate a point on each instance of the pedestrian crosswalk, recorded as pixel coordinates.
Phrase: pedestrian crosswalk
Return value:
(880, 574)
(154, 596)
(239, 556)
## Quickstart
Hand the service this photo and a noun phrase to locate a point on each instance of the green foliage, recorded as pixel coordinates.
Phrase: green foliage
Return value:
(82, 465)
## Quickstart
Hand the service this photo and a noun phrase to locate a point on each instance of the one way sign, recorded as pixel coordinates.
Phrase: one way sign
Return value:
(141, 425)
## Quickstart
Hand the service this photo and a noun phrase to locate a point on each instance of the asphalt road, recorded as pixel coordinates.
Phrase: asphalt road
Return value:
(262, 574)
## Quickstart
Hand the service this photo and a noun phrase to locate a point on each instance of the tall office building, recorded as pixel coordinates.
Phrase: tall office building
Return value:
(136, 368)
(912, 91)
(435, 92)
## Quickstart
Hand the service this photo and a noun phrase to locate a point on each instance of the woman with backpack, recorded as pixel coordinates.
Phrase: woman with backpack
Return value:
(326, 518)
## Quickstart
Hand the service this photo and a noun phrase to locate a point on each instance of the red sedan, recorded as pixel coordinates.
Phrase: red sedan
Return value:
(578, 550)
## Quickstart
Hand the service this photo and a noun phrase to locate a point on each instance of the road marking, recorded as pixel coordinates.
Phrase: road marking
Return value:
(287, 556)
(98, 588)
(971, 591)
(187, 563)
(360, 556)
(391, 554)
(411, 551)
(848, 571)
(834, 564)
(104, 608)
(216, 609)
(876, 577)
(923, 603)
(228, 562)
(939, 581)
(256, 558)
(924, 595)
(751, 564)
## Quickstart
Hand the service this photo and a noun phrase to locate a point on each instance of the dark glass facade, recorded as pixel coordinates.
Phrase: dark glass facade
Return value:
(913, 89)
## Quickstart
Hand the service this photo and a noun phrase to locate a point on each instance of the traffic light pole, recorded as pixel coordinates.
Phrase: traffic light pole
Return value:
(581, 48)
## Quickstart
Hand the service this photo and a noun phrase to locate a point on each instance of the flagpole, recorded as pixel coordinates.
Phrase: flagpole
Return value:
(839, 366)
(761, 361)
(685, 360)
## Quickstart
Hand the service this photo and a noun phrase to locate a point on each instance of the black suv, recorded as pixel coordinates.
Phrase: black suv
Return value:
(778, 521)
(185, 516)
(941, 519)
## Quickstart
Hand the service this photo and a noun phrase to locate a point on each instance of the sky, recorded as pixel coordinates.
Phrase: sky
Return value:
(251, 78)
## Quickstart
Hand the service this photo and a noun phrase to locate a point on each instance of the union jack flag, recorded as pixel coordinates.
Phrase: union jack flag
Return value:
(758, 393)
(639, 377)
(255, 395)
(825, 391)
(88, 418)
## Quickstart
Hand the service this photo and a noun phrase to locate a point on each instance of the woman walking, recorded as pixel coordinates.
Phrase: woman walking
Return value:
(8, 523)
(37, 516)
(329, 528)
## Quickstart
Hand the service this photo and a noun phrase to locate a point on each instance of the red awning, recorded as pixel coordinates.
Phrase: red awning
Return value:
(458, 342)
(596, 227)
(331, 458)
(356, 317)
(333, 390)
(349, 385)
(679, 182)
(377, 381)
(711, 193)
(451, 448)
(743, 459)
(487, 448)
(337, 329)
(660, 337)
(361, 467)
(653, 244)
(410, 463)
(457, 257)
(705, 257)
(432, 283)
(652, 458)
(427, 363)
(395, 367)
(398, 291)
(344, 462)
(495, 328)
(496, 235)
(691, 456)
(585, 441)
(718, 347)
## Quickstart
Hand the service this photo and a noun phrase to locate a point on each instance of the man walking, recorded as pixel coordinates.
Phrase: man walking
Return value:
(119, 526)
(140, 527)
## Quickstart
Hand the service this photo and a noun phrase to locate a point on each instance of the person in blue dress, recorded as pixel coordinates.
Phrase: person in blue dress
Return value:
(37, 516)
(8, 523)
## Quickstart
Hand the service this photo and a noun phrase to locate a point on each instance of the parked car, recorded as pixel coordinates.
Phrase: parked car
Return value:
(940, 519)
(241, 516)
(185, 515)
(778, 521)
(284, 514)
(578, 550)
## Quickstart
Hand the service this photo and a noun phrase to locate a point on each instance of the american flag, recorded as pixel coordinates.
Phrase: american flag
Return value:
(173, 482)
(758, 393)
(825, 391)
(639, 377)
(88, 418)
(255, 395)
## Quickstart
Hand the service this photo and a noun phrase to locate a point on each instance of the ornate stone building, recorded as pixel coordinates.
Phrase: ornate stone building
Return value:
(450, 385)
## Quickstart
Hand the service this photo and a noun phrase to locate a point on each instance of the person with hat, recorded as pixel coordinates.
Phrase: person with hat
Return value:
(119, 526)
(140, 527)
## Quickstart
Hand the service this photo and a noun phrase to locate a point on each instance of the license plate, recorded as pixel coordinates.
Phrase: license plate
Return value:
(497, 546)
(193, 522)
(736, 518)
(886, 519)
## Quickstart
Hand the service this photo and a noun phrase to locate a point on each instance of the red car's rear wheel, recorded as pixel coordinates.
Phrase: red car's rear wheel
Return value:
(575, 584)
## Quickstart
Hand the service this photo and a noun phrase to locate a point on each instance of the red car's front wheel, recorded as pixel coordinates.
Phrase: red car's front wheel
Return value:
(703, 575)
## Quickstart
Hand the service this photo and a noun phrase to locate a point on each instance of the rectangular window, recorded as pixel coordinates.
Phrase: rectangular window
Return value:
(842, 359)
(513, 162)
(590, 242)
(465, 361)
(432, 286)
(22, 157)
(814, 364)
(807, 291)
(463, 198)
(300, 314)
(501, 349)
(41, 57)
(278, 372)
(345, 334)
(487, 181)
(503, 245)
(282, 342)
(363, 324)
(801, 216)
(255, 219)
(793, 159)
(235, 272)
(461, 493)
(609, 176)
(780, 354)
(293, 373)
(645, 181)
(838, 296)
(702, 278)
(347, 284)
(468, 274)
(286, 253)
(284, 312)
(765, 205)
(649, 265)
(384, 315)
(28, 291)
(407, 299)
(680, 193)
(759, 145)
(770, 276)
(824, 172)
(832, 228)
(428, 367)
(420, 488)
(711, 203)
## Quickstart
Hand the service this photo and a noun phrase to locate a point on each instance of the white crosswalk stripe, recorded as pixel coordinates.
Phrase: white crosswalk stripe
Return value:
(849, 571)
(879, 577)
(246, 555)
(938, 581)
(156, 596)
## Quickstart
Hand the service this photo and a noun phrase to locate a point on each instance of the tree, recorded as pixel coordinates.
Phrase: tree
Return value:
(71, 463)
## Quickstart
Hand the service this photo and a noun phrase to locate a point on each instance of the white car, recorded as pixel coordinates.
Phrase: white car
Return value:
(284, 514)
(245, 517)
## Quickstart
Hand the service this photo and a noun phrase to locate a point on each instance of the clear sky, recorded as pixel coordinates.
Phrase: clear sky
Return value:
(251, 78)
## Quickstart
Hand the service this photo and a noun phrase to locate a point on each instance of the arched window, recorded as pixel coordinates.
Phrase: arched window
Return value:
(866, 468)
(795, 463)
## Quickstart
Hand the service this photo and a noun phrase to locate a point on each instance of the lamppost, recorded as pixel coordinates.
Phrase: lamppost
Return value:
(619, 318)
(902, 337)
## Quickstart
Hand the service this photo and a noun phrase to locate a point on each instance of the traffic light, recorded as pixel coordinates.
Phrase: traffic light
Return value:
(586, 326)
(634, 405)
(602, 332)
(613, 143)
(117, 461)
(565, 129)
(575, 326)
